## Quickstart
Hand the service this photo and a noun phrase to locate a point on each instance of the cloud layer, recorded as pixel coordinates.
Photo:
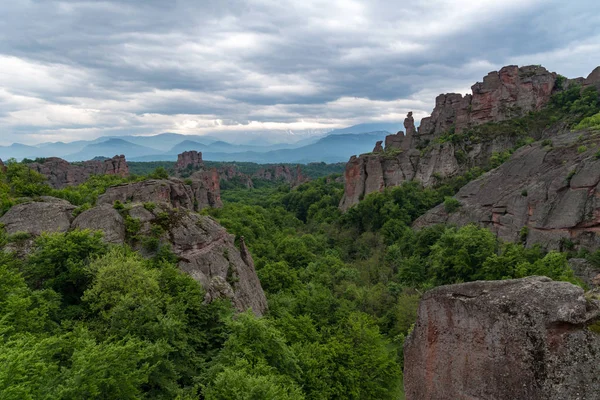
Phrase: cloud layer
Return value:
(74, 69)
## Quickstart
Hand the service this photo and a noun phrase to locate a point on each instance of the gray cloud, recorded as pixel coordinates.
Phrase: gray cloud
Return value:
(80, 69)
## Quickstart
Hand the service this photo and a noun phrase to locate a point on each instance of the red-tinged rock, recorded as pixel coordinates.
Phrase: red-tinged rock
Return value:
(513, 339)
(189, 160)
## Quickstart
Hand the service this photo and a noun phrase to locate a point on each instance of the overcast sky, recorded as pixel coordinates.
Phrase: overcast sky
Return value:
(74, 70)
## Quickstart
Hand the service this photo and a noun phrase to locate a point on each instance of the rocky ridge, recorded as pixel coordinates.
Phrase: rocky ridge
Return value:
(205, 250)
(418, 155)
(514, 339)
(546, 193)
(61, 173)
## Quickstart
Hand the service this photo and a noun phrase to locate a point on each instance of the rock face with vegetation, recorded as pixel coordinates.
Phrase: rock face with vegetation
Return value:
(199, 191)
(514, 339)
(547, 193)
(270, 173)
(60, 173)
(204, 248)
(504, 111)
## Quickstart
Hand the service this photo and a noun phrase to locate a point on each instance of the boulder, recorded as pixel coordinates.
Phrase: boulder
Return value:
(102, 218)
(35, 217)
(513, 339)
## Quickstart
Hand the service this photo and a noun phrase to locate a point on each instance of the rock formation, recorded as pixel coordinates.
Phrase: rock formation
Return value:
(513, 339)
(230, 172)
(205, 250)
(2, 166)
(204, 191)
(190, 160)
(586, 271)
(34, 217)
(61, 173)
(508, 93)
(270, 173)
(593, 79)
(543, 194)
(378, 147)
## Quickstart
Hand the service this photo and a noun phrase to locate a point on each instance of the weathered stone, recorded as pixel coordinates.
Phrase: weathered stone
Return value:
(102, 218)
(508, 93)
(204, 191)
(394, 141)
(61, 173)
(585, 271)
(189, 160)
(593, 79)
(378, 147)
(513, 339)
(552, 192)
(208, 254)
(50, 215)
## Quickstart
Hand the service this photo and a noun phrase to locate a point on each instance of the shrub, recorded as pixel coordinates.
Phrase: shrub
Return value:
(582, 149)
(451, 204)
(547, 142)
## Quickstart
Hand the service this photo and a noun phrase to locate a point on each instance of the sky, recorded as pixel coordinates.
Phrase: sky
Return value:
(72, 70)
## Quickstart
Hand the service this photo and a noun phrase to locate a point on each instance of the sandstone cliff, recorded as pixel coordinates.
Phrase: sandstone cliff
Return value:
(513, 339)
(61, 173)
(422, 154)
(206, 251)
(543, 194)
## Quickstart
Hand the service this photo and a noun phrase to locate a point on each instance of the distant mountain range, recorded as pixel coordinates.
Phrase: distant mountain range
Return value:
(335, 146)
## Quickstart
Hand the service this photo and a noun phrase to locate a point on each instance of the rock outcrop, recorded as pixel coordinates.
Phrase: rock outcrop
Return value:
(34, 217)
(202, 192)
(205, 250)
(272, 173)
(508, 93)
(513, 339)
(189, 160)
(61, 173)
(417, 155)
(2, 166)
(593, 79)
(586, 271)
(548, 195)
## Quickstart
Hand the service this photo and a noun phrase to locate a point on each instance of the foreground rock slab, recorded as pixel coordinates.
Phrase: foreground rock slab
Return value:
(501, 340)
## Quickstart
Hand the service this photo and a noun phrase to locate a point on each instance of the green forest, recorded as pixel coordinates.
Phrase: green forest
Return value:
(83, 319)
